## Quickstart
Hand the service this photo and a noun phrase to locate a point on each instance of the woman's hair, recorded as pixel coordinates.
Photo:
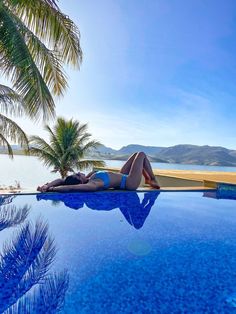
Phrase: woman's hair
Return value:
(72, 180)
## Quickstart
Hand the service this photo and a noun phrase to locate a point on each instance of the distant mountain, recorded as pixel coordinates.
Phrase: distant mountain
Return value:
(102, 149)
(132, 148)
(128, 150)
(14, 147)
(201, 155)
(183, 154)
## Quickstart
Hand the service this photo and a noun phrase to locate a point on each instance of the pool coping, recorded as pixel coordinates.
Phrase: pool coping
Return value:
(140, 190)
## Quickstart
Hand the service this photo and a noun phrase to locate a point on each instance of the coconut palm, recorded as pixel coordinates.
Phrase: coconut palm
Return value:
(36, 39)
(69, 143)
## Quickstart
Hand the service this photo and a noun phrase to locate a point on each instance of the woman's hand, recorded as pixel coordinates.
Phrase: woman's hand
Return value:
(43, 188)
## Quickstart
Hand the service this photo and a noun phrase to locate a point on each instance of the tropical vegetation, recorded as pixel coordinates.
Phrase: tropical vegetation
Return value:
(69, 145)
(36, 40)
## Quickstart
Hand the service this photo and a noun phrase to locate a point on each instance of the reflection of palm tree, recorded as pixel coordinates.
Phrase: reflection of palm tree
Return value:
(128, 203)
(48, 298)
(24, 265)
(11, 216)
(6, 199)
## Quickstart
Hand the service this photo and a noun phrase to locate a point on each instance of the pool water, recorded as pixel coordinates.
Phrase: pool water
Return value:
(116, 252)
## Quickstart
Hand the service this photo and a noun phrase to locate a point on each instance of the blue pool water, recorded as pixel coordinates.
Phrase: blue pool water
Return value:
(168, 252)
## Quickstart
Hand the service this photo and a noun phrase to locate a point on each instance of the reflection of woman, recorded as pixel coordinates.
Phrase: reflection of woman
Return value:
(128, 178)
(136, 213)
(128, 203)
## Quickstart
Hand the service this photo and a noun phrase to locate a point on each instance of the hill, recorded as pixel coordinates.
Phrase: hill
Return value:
(201, 155)
(132, 148)
(183, 154)
(179, 154)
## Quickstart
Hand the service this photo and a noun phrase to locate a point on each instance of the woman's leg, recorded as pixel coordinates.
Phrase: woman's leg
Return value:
(139, 166)
(150, 177)
(126, 167)
(135, 173)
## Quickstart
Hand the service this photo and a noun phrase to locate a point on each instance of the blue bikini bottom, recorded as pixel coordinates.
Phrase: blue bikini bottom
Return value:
(123, 181)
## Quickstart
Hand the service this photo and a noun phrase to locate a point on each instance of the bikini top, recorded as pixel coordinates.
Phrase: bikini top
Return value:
(104, 176)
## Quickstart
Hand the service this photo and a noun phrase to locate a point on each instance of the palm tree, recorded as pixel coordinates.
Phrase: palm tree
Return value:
(69, 144)
(36, 39)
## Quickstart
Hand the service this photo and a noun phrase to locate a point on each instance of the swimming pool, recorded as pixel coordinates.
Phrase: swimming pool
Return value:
(115, 252)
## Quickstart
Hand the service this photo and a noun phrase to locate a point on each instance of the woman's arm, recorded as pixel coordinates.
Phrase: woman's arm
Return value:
(88, 187)
(46, 186)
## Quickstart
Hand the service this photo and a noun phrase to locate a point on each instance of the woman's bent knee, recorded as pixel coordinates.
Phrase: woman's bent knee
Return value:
(141, 154)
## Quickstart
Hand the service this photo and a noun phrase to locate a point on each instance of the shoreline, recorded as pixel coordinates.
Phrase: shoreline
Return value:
(124, 158)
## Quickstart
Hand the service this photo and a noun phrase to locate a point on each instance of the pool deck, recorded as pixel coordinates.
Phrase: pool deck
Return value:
(203, 178)
(170, 180)
(188, 179)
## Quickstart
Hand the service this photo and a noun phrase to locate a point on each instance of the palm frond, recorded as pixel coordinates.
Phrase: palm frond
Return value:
(47, 158)
(10, 129)
(6, 199)
(38, 145)
(4, 142)
(82, 128)
(47, 298)
(54, 141)
(10, 215)
(48, 61)
(24, 262)
(52, 26)
(20, 67)
(27, 3)
(10, 102)
(52, 293)
(91, 145)
(84, 164)
(82, 138)
(67, 132)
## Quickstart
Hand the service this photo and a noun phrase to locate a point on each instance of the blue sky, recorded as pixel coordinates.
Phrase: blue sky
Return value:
(155, 72)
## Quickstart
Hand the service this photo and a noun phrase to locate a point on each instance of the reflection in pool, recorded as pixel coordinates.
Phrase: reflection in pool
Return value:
(134, 211)
(26, 285)
(169, 252)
